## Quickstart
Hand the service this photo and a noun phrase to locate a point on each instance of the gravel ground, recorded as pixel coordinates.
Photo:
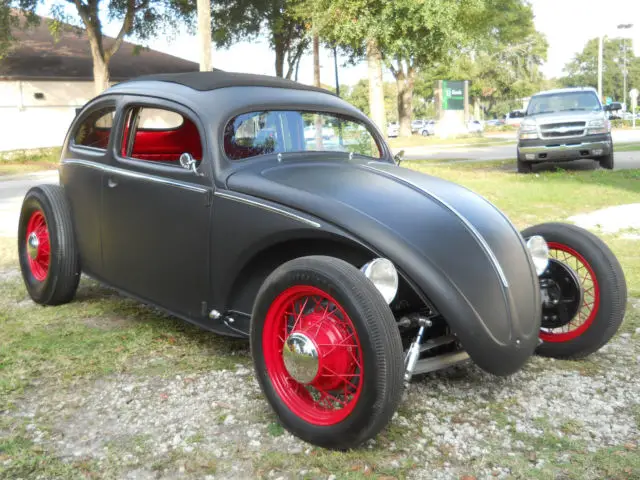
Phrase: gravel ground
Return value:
(451, 422)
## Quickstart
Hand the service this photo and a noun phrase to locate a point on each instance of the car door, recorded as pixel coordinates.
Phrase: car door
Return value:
(156, 213)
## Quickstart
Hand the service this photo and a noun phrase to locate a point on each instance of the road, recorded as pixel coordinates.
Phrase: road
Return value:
(507, 150)
(12, 191)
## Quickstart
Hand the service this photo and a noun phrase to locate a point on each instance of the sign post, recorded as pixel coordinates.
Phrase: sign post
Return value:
(633, 95)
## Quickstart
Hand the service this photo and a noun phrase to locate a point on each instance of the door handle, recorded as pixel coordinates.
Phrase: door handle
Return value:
(111, 183)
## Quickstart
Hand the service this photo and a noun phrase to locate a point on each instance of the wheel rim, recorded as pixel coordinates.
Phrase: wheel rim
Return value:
(38, 248)
(312, 355)
(588, 310)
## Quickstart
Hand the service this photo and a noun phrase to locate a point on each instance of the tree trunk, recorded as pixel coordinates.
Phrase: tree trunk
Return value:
(280, 54)
(100, 75)
(405, 84)
(316, 82)
(376, 86)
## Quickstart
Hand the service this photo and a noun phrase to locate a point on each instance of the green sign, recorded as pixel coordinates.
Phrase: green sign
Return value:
(609, 100)
(452, 95)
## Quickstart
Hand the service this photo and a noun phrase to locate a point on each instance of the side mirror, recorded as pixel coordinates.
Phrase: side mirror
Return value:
(398, 157)
(189, 163)
(606, 108)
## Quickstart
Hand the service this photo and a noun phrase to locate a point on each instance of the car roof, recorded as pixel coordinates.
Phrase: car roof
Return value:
(216, 79)
(566, 90)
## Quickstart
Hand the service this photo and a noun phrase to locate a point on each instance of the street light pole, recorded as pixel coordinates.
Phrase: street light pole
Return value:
(204, 34)
(624, 64)
(600, 41)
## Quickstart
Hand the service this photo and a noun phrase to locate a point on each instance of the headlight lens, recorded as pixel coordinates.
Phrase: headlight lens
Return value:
(384, 276)
(528, 131)
(596, 127)
(539, 251)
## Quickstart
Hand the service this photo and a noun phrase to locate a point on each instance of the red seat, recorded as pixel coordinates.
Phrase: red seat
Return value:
(168, 145)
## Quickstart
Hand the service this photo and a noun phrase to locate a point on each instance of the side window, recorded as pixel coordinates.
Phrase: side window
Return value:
(159, 135)
(95, 130)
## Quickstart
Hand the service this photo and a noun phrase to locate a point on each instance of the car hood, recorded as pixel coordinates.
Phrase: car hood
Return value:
(459, 250)
(563, 117)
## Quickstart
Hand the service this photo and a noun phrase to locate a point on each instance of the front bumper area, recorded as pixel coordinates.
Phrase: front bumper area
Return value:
(564, 149)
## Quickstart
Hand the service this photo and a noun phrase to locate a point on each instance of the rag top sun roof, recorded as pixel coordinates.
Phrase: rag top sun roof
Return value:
(205, 81)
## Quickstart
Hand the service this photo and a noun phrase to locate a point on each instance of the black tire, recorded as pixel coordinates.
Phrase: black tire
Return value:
(607, 160)
(381, 349)
(425, 133)
(523, 166)
(63, 274)
(603, 321)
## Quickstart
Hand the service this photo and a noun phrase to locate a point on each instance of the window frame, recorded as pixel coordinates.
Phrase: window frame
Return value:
(382, 150)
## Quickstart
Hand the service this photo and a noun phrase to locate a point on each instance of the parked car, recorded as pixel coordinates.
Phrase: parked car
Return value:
(514, 117)
(562, 125)
(475, 126)
(495, 122)
(417, 125)
(347, 273)
(428, 128)
(393, 130)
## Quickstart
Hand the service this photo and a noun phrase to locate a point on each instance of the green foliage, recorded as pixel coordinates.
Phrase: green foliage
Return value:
(358, 95)
(583, 69)
(282, 21)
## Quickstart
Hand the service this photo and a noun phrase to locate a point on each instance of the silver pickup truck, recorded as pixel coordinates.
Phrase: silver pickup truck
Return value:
(565, 124)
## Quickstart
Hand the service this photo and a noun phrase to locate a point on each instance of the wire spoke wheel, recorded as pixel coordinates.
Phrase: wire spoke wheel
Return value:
(589, 290)
(313, 355)
(38, 246)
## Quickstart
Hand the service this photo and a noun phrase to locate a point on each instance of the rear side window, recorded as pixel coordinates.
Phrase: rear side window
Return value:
(95, 130)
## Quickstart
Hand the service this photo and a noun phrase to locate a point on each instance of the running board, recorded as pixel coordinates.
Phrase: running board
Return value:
(432, 364)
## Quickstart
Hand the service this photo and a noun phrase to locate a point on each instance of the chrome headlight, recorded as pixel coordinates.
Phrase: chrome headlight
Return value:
(528, 131)
(384, 276)
(539, 251)
(596, 127)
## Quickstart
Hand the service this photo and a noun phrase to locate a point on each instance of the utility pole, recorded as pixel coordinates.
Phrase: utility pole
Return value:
(624, 26)
(600, 48)
(204, 34)
(335, 67)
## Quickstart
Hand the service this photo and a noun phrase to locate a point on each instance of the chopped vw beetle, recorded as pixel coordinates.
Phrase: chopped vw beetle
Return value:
(262, 208)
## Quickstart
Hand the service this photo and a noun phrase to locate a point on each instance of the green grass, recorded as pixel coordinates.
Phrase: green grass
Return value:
(26, 161)
(626, 147)
(420, 141)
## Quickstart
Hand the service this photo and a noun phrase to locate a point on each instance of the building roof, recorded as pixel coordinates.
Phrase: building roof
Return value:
(35, 55)
(205, 81)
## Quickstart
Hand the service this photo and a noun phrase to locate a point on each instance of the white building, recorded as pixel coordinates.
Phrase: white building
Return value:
(43, 82)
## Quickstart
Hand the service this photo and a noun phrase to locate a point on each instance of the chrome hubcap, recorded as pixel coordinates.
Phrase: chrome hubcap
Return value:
(32, 245)
(300, 357)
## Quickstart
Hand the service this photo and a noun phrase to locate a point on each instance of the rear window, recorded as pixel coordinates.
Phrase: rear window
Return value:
(266, 132)
(95, 130)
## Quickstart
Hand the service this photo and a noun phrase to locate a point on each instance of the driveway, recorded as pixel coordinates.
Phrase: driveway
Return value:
(12, 191)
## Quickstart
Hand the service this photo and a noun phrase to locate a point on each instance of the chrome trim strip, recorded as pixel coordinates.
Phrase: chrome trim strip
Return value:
(565, 147)
(137, 175)
(483, 243)
(264, 206)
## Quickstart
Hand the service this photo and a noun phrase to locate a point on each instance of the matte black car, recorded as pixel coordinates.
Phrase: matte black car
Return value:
(261, 208)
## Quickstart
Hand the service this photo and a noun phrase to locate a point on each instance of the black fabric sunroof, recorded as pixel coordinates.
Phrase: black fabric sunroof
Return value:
(215, 79)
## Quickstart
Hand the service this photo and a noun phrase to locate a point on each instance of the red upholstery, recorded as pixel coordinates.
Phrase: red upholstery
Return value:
(167, 145)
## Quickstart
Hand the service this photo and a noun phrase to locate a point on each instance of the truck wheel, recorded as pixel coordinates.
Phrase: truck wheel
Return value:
(586, 292)
(523, 165)
(607, 161)
(425, 133)
(46, 246)
(327, 352)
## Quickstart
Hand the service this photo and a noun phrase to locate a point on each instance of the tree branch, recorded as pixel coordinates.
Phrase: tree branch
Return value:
(124, 30)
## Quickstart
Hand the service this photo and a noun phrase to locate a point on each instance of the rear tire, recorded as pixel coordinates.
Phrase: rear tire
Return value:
(602, 286)
(357, 345)
(46, 246)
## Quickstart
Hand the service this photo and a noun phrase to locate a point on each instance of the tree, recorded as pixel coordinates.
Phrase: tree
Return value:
(280, 20)
(582, 70)
(139, 18)
(9, 22)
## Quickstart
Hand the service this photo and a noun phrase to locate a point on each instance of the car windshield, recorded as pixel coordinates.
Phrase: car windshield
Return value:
(563, 102)
(287, 131)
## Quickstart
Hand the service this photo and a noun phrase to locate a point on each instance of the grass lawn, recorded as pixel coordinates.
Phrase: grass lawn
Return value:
(27, 161)
(101, 333)
(420, 141)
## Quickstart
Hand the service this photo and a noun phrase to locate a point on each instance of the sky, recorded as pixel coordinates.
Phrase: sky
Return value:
(567, 24)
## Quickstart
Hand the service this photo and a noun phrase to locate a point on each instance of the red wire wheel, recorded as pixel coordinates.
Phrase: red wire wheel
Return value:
(590, 295)
(313, 355)
(38, 246)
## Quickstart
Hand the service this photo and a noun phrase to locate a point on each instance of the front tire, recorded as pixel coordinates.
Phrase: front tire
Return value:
(46, 246)
(350, 389)
(588, 288)
(607, 161)
(523, 166)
